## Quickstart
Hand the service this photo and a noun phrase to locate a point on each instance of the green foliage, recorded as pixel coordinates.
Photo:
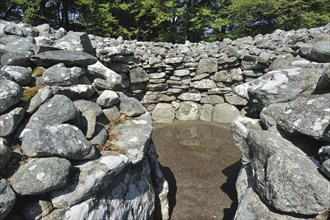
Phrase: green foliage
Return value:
(170, 20)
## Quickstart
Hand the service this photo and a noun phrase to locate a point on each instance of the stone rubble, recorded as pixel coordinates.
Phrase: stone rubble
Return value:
(83, 106)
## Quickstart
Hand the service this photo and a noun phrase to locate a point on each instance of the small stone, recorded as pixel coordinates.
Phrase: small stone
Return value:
(131, 106)
(107, 99)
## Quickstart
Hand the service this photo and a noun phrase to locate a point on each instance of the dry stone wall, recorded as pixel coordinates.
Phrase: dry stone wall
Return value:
(196, 81)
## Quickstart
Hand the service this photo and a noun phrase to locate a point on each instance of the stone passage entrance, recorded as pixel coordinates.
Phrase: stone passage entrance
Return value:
(201, 165)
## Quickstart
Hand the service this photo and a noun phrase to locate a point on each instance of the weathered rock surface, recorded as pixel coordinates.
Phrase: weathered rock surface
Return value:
(60, 75)
(285, 177)
(10, 94)
(5, 154)
(10, 121)
(57, 110)
(108, 99)
(188, 111)
(57, 140)
(21, 75)
(130, 106)
(7, 198)
(41, 175)
(280, 85)
(224, 113)
(163, 113)
(89, 178)
(133, 136)
(308, 116)
(69, 58)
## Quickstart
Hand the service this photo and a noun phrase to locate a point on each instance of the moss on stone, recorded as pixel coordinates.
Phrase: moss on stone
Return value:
(38, 71)
(29, 92)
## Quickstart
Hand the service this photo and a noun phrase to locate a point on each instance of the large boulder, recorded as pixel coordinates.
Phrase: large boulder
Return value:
(308, 116)
(280, 85)
(319, 52)
(128, 196)
(285, 178)
(76, 41)
(41, 175)
(57, 140)
(60, 75)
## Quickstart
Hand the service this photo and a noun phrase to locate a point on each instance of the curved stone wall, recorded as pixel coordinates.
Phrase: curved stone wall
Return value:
(195, 81)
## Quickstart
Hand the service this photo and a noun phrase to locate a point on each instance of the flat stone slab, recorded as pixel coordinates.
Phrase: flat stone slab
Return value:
(41, 175)
(69, 58)
(57, 140)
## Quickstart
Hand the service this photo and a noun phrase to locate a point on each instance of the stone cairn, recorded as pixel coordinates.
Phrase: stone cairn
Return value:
(70, 148)
(75, 144)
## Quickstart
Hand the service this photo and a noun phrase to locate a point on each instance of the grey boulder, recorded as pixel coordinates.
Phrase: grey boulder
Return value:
(320, 52)
(41, 175)
(60, 75)
(285, 178)
(20, 45)
(10, 94)
(76, 41)
(224, 113)
(80, 91)
(130, 106)
(21, 75)
(280, 85)
(88, 179)
(57, 110)
(308, 116)
(57, 140)
(17, 59)
(107, 99)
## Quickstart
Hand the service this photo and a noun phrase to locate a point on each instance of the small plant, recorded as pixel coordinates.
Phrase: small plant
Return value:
(112, 136)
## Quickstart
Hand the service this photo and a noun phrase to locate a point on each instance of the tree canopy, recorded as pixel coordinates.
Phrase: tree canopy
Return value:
(170, 20)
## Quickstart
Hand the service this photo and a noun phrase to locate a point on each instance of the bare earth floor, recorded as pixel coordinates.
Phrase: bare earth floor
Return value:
(201, 164)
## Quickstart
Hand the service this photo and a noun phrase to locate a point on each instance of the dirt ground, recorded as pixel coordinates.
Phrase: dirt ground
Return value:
(201, 164)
